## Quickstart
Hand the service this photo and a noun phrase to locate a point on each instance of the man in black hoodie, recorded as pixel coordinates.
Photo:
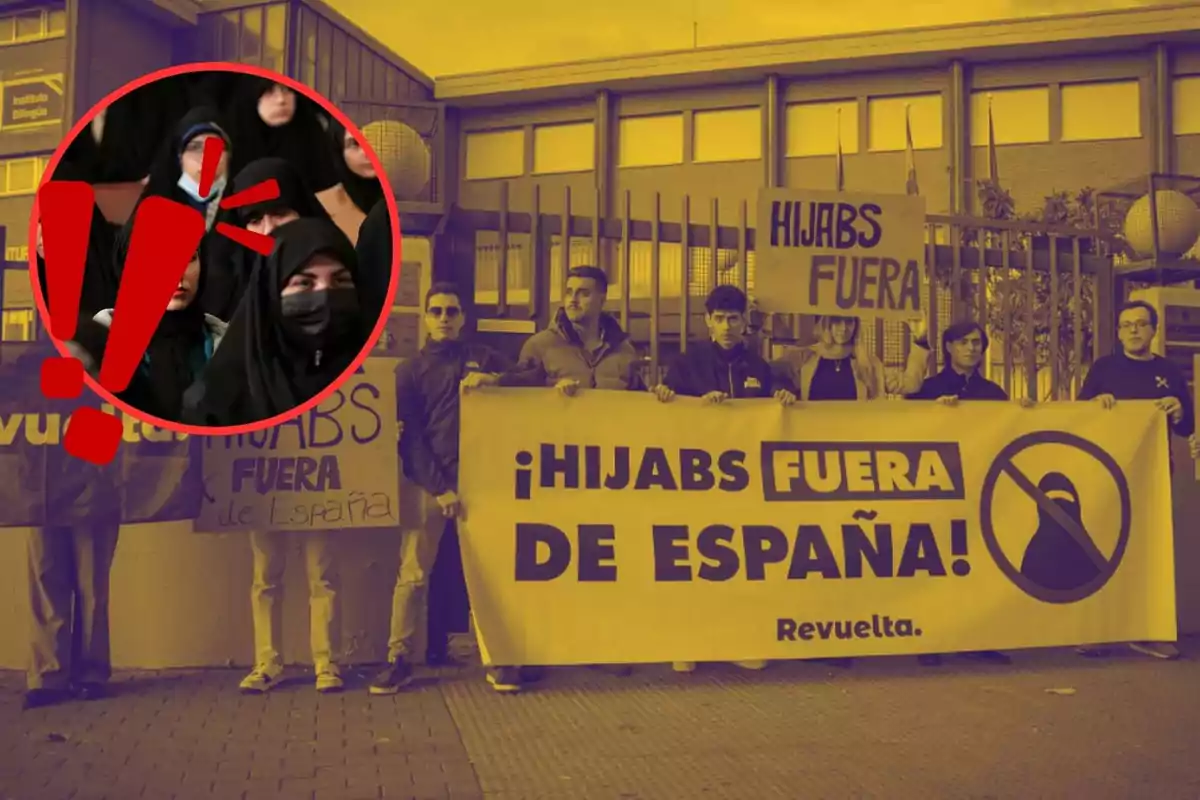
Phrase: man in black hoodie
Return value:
(723, 368)
(427, 397)
(964, 345)
(1137, 373)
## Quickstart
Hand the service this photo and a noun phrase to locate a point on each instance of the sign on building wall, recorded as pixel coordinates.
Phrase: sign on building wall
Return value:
(840, 253)
(32, 102)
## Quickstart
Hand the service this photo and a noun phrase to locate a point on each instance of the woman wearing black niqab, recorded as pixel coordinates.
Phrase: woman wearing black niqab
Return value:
(354, 169)
(375, 243)
(231, 266)
(298, 329)
(272, 120)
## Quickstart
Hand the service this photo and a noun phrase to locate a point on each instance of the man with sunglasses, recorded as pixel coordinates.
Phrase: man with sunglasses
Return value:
(1135, 372)
(427, 397)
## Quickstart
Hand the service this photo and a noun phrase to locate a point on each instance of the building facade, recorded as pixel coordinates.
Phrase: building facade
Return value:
(59, 59)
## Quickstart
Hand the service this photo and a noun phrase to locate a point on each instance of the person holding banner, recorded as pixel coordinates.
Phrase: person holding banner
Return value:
(964, 345)
(1135, 372)
(584, 347)
(69, 552)
(427, 395)
(723, 368)
(838, 367)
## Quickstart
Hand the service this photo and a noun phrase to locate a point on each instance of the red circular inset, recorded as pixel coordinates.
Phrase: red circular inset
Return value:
(393, 218)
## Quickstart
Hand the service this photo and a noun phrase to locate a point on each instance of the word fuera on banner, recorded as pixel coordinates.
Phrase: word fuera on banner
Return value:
(332, 467)
(619, 529)
(839, 253)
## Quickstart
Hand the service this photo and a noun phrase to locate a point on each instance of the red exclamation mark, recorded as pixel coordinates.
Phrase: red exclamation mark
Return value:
(165, 237)
(66, 209)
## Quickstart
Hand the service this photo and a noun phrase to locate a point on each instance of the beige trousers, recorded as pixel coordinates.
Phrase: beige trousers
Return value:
(418, 551)
(266, 594)
(68, 600)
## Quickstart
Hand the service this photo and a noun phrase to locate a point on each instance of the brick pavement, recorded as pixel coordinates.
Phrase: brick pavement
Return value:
(885, 728)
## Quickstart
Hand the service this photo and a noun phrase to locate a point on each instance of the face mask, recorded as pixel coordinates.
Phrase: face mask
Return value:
(193, 189)
(318, 320)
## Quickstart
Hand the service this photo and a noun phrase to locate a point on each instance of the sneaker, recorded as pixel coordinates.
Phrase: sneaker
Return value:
(40, 698)
(930, 660)
(753, 664)
(684, 666)
(1164, 650)
(264, 678)
(396, 676)
(1091, 651)
(91, 690)
(506, 680)
(987, 656)
(329, 679)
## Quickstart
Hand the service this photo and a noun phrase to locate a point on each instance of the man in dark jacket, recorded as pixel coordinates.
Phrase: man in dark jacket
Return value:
(427, 396)
(964, 345)
(724, 367)
(720, 369)
(1137, 373)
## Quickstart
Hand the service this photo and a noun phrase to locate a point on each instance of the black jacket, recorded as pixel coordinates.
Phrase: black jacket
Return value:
(967, 387)
(427, 402)
(706, 367)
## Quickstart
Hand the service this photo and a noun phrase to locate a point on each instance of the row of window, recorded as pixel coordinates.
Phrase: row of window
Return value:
(21, 175)
(1089, 112)
(33, 25)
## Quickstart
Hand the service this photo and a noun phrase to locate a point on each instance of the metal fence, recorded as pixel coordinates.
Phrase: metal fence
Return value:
(1043, 293)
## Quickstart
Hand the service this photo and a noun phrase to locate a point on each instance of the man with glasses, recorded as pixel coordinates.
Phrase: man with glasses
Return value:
(427, 397)
(1136, 373)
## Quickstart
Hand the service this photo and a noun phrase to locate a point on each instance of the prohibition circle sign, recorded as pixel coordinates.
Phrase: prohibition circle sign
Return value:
(1003, 465)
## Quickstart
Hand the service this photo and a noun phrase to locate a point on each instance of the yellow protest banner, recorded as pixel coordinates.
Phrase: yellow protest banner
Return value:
(840, 253)
(612, 528)
(333, 467)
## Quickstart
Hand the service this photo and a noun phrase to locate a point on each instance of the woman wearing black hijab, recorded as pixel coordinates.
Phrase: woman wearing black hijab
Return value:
(175, 173)
(354, 169)
(231, 265)
(269, 119)
(182, 345)
(298, 329)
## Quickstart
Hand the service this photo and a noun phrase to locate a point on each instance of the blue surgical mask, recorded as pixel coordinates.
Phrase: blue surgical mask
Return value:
(193, 188)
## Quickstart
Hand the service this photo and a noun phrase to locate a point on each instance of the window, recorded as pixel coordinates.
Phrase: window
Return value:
(1186, 105)
(324, 64)
(275, 27)
(1095, 111)
(337, 90)
(1019, 116)
(252, 30)
(650, 141)
(353, 69)
(495, 154)
(20, 176)
(19, 325)
(811, 129)
(308, 57)
(564, 148)
(18, 293)
(885, 121)
(228, 31)
(33, 25)
(732, 134)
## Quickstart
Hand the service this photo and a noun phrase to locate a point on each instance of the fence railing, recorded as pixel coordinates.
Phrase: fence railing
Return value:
(1043, 293)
